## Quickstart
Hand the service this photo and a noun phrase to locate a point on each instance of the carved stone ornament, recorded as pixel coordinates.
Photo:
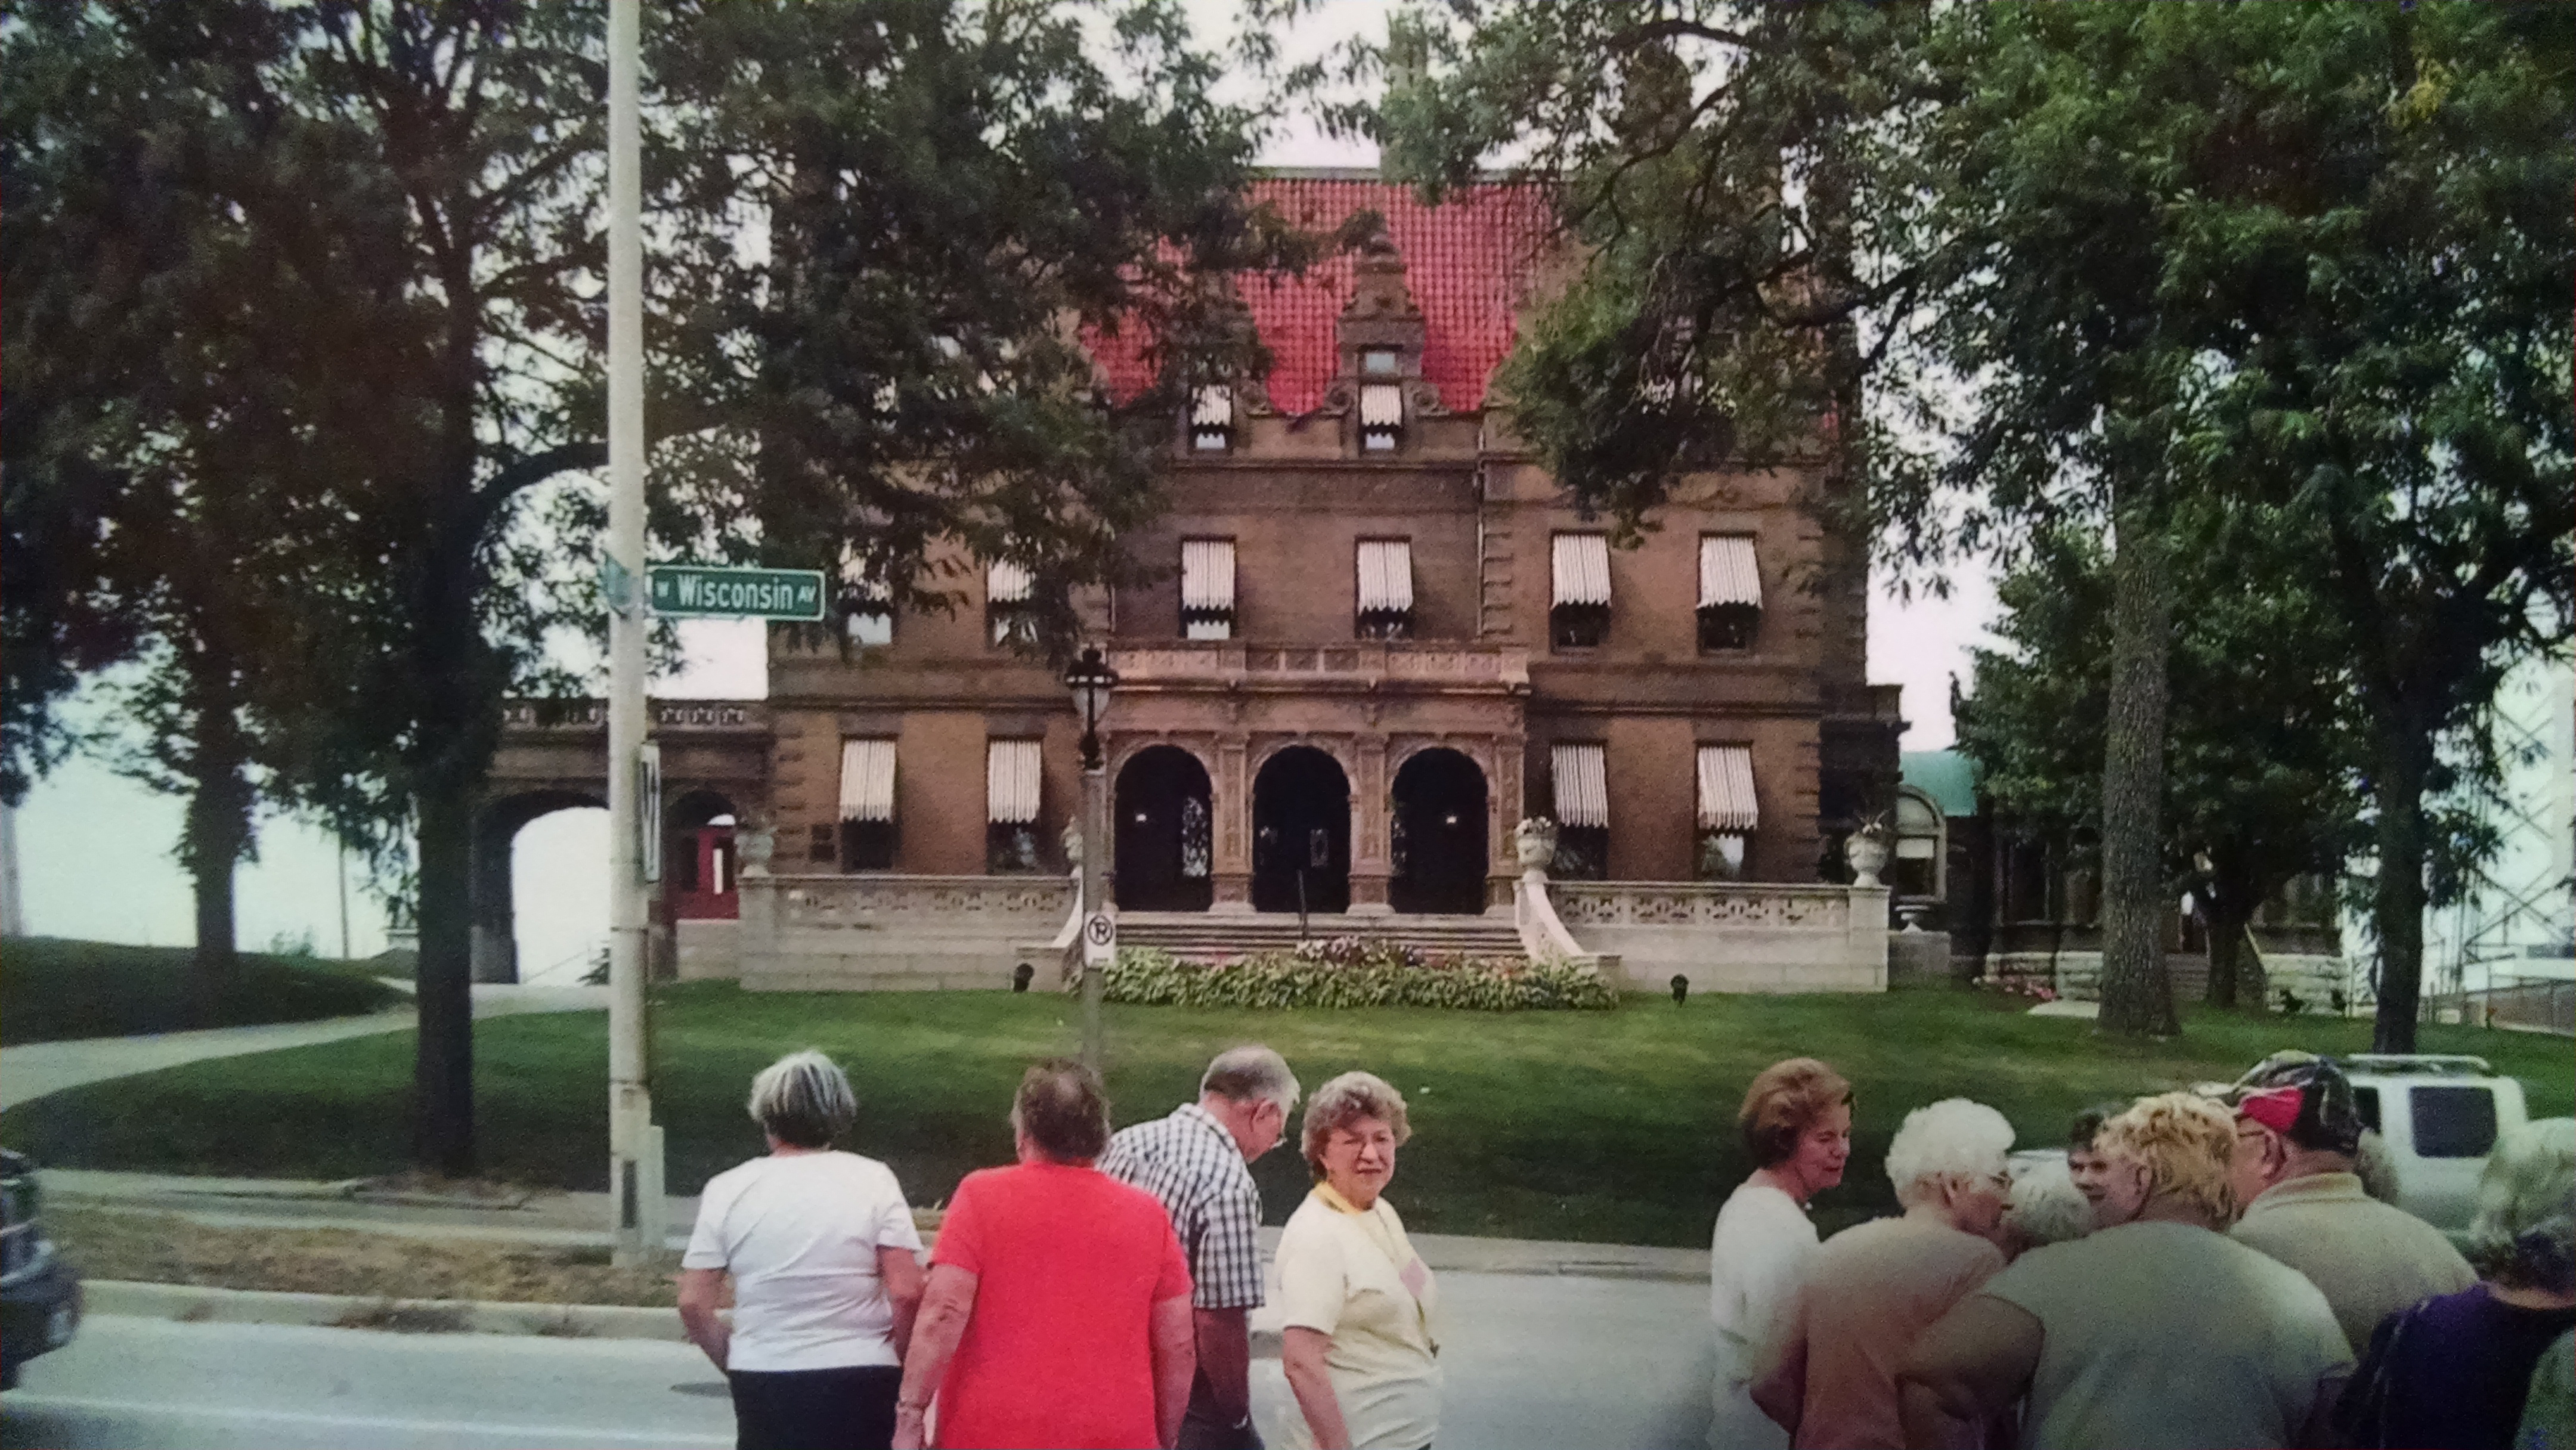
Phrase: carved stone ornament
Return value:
(1422, 397)
(1073, 845)
(1534, 843)
(753, 845)
(1865, 852)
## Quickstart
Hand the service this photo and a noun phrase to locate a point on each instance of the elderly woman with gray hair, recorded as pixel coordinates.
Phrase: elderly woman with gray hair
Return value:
(2454, 1370)
(819, 1244)
(1358, 1305)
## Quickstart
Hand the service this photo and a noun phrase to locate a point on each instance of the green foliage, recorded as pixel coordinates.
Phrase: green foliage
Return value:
(53, 989)
(1346, 972)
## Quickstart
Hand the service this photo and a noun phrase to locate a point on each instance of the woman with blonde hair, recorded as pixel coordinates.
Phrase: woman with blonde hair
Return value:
(1358, 1306)
(2156, 1330)
(1795, 1125)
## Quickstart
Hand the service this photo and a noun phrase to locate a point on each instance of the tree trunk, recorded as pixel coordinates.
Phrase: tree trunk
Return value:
(2137, 996)
(2397, 904)
(443, 1070)
(217, 835)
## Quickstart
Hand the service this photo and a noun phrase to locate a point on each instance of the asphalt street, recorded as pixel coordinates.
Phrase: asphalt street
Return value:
(1532, 1361)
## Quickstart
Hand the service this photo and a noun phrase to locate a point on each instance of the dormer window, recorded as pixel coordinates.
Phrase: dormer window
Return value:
(1212, 420)
(1207, 588)
(1381, 417)
(1380, 362)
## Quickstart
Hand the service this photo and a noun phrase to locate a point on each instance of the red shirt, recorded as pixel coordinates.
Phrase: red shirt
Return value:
(1068, 1265)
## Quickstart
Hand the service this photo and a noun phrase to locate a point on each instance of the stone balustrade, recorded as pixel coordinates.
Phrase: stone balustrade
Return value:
(577, 716)
(823, 933)
(1732, 936)
(1359, 662)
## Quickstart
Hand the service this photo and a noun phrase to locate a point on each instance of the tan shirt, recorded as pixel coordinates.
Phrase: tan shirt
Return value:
(2370, 1259)
(1353, 1275)
(1872, 1290)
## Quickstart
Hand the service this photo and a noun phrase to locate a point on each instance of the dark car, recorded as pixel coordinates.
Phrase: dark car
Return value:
(40, 1296)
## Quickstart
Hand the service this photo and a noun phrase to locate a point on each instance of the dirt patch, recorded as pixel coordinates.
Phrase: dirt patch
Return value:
(164, 1248)
(399, 1318)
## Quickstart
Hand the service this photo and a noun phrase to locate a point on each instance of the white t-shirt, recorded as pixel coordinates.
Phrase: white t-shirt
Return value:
(2167, 1336)
(1758, 1259)
(799, 1233)
(1355, 1277)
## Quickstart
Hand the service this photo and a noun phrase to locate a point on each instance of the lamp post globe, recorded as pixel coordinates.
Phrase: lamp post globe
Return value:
(1090, 679)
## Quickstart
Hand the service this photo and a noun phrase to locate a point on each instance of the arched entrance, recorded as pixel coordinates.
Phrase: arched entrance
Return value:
(1164, 851)
(566, 866)
(698, 866)
(1438, 847)
(1301, 832)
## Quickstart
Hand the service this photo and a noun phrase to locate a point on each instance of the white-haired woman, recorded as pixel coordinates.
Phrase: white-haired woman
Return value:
(820, 1247)
(1359, 1341)
(2046, 1208)
(2455, 1369)
(1874, 1287)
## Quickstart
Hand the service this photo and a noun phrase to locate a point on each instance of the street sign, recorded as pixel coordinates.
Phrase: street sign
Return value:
(692, 591)
(648, 810)
(1099, 939)
(616, 585)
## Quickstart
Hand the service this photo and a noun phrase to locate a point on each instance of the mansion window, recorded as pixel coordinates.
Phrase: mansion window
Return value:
(1727, 813)
(1578, 615)
(1579, 777)
(1730, 592)
(1013, 793)
(868, 836)
(1009, 607)
(866, 604)
(1212, 420)
(1381, 400)
(1207, 588)
(1385, 603)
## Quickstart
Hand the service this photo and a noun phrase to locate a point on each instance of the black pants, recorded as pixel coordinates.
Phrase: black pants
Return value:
(1203, 1429)
(815, 1409)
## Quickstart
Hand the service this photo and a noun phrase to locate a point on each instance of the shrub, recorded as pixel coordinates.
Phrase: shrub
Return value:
(1348, 972)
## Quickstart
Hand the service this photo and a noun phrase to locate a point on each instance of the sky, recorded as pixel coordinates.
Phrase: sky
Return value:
(95, 850)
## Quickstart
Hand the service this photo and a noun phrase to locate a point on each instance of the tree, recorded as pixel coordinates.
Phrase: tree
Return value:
(2068, 240)
(950, 193)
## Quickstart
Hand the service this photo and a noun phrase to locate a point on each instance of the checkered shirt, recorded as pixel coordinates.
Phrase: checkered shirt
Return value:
(1190, 1162)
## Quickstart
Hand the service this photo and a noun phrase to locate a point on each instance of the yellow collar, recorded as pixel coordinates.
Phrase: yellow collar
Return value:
(1335, 1201)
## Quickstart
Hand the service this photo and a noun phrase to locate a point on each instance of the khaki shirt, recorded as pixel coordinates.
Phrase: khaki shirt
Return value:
(2370, 1259)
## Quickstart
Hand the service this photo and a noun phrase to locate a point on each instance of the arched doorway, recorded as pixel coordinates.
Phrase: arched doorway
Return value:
(1438, 847)
(563, 872)
(1301, 833)
(698, 865)
(1164, 848)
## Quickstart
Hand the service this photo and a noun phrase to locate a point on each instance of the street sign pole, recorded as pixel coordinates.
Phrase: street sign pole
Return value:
(634, 1145)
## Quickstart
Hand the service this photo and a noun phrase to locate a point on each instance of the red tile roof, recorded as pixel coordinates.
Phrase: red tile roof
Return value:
(1467, 262)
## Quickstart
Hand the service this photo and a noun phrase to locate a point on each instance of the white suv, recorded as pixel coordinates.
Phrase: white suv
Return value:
(2439, 1116)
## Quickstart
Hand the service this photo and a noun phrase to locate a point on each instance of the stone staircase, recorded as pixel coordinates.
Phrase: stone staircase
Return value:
(1211, 936)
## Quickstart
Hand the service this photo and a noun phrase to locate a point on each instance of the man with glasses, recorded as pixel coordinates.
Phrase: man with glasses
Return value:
(1194, 1160)
(2298, 1137)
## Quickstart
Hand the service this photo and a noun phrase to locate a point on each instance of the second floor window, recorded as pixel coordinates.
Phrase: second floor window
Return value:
(1207, 588)
(1730, 592)
(1385, 589)
(1013, 794)
(1008, 605)
(868, 838)
(1578, 615)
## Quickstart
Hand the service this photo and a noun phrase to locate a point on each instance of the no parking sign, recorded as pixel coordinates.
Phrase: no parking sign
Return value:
(1099, 939)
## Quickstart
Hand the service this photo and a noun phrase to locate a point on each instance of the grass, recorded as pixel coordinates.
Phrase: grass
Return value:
(53, 988)
(1602, 1126)
(392, 1269)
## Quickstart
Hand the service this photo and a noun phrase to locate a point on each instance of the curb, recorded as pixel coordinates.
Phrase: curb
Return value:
(197, 1304)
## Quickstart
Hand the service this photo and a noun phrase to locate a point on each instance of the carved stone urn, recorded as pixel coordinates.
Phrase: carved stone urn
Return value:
(1534, 841)
(753, 845)
(1865, 851)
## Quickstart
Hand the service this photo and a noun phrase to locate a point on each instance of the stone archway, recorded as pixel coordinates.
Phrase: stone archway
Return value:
(495, 911)
(1437, 845)
(1164, 836)
(1301, 832)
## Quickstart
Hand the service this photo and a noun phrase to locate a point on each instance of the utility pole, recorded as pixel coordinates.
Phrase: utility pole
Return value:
(634, 1143)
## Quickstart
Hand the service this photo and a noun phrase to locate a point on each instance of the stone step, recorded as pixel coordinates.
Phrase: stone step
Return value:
(1201, 936)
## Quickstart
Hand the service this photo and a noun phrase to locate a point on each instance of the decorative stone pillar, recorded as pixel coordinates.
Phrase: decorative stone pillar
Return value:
(1372, 811)
(1232, 810)
(1502, 820)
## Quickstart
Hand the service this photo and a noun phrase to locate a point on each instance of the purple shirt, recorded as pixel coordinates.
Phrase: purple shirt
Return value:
(2449, 1374)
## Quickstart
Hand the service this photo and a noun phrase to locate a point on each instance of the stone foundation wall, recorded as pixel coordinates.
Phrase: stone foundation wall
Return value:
(2077, 976)
(879, 933)
(1731, 937)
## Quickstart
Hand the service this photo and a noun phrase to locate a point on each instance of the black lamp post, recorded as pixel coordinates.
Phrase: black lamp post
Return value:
(1091, 679)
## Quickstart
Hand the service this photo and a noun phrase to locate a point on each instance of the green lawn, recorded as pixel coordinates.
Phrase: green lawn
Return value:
(1605, 1126)
(52, 988)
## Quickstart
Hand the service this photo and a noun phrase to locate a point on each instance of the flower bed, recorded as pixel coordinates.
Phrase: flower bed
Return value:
(1347, 972)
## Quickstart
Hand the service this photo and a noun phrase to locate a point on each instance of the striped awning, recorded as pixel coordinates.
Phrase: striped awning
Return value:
(1582, 569)
(1726, 789)
(1011, 776)
(867, 780)
(1386, 576)
(1582, 781)
(1381, 405)
(1727, 572)
(1207, 576)
(1005, 583)
(1213, 407)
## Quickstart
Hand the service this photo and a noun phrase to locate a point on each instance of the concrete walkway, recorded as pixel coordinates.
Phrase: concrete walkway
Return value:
(34, 1069)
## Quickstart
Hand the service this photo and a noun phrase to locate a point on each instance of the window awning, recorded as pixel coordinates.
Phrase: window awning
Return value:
(1011, 782)
(1005, 583)
(1582, 569)
(1381, 405)
(1726, 789)
(1213, 407)
(1727, 571)
(1207, 576)
(1386, 576)
(1582, 782)
(867, 780)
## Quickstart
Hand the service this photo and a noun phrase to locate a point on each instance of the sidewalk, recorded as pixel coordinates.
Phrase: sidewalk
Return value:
(34, 1069)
